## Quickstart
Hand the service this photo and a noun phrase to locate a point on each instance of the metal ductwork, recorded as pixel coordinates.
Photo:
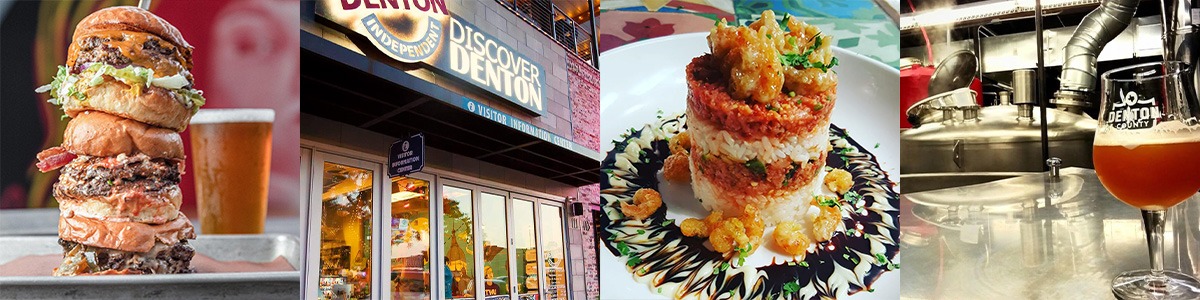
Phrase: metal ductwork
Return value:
(1079, 73)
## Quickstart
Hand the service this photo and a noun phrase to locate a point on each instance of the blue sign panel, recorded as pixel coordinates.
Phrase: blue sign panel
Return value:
(407, 156)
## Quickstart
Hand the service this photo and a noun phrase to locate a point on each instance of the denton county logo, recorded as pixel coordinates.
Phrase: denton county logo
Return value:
(1130, 111)
(417, 47)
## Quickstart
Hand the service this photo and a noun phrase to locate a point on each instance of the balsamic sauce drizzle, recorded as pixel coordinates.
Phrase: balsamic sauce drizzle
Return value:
(682, 267)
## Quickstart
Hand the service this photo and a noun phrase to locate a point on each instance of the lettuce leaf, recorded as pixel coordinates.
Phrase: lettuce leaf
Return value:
(66, 85)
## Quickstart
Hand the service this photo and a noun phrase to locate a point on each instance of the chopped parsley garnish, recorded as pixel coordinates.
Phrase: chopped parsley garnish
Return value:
(724, 266)
(828, 169)
(827, 201)
(623, 248)
(852, 197)
(804, 264)
(791, 41)
(791, 287)
(802, 59)
(876, 145)
(633, 260)
(883, 261)
(818, 106)
(757, 167)
(668, 222)
(660, 290)
(743, 252)
(641, 231)
(768, 35)
(844, 151)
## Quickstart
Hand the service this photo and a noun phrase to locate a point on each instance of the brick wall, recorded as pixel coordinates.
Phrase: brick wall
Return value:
(585, 102)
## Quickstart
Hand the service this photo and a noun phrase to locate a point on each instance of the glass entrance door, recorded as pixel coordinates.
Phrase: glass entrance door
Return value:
(340, 226)
(493, 227)
(407, 237)
(458, 227)
(525, 249)
(554, 258)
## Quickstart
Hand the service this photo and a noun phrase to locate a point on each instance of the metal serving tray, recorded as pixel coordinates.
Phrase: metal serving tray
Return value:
(246, 285)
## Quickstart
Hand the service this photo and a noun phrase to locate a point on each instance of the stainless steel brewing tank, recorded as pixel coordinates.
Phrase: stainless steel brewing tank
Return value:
(997, 142)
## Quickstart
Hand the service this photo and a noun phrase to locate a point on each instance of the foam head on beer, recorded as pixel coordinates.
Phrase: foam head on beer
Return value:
(1169, 132)
(237, 115)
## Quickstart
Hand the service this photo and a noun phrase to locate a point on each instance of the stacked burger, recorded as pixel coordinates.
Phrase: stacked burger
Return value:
(128, 88)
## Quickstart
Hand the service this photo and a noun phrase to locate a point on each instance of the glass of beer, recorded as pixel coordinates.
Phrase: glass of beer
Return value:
(1145, 154)
(231, 152)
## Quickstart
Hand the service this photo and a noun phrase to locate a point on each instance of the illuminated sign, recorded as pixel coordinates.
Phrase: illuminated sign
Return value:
(424, 31)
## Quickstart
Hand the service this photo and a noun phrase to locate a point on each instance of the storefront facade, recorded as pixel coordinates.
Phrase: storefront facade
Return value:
(509, 112)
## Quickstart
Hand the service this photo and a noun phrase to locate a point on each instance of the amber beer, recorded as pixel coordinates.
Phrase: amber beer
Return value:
(1153, 176)
(231, 154)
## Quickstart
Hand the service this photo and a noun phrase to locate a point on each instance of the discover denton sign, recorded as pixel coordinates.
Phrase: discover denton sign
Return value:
(425, 31)
(407, 156)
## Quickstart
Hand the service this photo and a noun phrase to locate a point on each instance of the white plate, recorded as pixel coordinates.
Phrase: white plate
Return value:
(640, 79)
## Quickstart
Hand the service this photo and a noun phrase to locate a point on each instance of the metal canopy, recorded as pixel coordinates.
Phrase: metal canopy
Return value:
(344, 86)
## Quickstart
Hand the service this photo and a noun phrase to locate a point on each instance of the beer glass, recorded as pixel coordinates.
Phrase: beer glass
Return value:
(1145, 155)
(231, 152)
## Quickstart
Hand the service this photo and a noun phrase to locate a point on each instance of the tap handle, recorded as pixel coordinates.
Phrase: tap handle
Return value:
(1055, 164)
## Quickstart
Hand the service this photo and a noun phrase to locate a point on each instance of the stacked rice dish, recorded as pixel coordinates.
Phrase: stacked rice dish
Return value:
(758, 110)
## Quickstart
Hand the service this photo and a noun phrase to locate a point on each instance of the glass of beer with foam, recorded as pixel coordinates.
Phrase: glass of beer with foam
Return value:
(231, 155)
(1146, 154)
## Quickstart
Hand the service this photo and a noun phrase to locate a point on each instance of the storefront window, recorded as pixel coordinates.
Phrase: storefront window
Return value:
(493, 225)
(460, 249)
(525, 246)
(553, 256)
(410, 239)
(345, 233)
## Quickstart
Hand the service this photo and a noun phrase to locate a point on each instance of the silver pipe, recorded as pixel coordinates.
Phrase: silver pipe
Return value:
(1177, 28)
(1079, 67)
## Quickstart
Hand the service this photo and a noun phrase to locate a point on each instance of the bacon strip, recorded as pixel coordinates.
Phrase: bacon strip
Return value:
(53, 158)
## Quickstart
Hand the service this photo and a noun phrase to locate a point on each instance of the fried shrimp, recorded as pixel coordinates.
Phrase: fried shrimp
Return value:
(791, 238)
(729, 234)
(826, 223)
(645, 203)
(681, 143)
(694, 227)
(676, 169)
(754, 225)
(839, 181)
(743, 233)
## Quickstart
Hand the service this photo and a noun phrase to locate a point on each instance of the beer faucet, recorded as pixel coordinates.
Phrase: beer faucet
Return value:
(1079, 74)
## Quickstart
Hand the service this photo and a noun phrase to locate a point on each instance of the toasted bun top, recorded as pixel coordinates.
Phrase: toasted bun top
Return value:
(99, 134)
(131, 18)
